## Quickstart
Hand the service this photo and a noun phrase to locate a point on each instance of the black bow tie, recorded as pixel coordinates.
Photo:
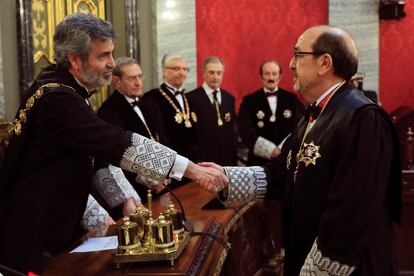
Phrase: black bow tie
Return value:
(135, 103)
(179, 92)
(271, 94)
(314, 111)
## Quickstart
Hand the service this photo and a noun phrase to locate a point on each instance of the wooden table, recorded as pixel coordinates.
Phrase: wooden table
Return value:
(203, 256)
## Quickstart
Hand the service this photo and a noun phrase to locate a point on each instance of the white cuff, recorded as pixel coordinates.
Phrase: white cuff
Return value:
(245, 183)
(179, 167)
(112, 184)
(263, 148)
(317, 264)
(95, 216)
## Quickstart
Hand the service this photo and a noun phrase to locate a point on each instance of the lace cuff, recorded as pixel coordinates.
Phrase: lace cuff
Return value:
(317, 265)
(95, 216)
(113, 186)
(148, 158)
(263, 148)
(246, 183)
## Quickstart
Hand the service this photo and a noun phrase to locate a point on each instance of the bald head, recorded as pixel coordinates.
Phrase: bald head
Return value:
(339, 45)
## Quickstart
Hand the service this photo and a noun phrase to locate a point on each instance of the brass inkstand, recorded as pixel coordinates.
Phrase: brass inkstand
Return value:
(143, 239)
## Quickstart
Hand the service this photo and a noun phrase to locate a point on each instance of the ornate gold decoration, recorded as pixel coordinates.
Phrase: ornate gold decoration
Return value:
(260, 124)
(180, 116)
(308, 154)
(144, 239)
(16, 125)
(289, 160)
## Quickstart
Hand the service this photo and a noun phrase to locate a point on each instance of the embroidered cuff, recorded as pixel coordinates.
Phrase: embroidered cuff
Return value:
(148, 158)
(246, 183)
(113, 186)
(263, 148)
(316, 264)
(95, 216)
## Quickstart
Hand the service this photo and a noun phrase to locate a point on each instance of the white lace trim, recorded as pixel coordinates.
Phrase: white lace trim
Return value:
(95, 216)
(318, 265)
(112, 184)
(246, 183)
(148, 158)
(263, 148)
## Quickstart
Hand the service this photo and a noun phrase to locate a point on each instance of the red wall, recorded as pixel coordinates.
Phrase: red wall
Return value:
(245, 33)
(397, 60)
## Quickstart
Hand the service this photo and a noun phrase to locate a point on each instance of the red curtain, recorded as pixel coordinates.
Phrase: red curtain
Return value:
(397, 61)
(245, 33)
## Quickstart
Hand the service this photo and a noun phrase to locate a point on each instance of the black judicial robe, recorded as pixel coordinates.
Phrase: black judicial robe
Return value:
(47, 172)
(161, 115)
(214, 143)
(117, 111)
(289, 111)
(349, 198)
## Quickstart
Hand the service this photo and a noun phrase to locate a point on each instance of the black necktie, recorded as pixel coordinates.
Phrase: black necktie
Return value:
(134, 103)
(215, 99)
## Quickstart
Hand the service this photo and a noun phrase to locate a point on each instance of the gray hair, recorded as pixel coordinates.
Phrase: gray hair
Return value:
(168, 57)
(212, 59)
(120, 63)
(74, 34)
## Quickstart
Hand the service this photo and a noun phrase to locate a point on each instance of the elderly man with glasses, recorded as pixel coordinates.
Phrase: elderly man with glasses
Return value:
(340, 177)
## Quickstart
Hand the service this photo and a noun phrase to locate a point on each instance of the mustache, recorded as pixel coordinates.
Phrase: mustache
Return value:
(271, 81)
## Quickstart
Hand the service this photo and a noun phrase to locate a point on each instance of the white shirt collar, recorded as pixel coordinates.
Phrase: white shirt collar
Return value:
(327, 92)
(172, 89)
(129, 99)
(268, 91)
(209, 90)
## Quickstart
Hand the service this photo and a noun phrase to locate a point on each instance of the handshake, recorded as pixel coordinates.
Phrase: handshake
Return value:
(209, 175)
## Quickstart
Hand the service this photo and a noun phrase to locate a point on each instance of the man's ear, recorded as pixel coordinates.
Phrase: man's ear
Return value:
(74, 60)
(325, 64)
(116, 81)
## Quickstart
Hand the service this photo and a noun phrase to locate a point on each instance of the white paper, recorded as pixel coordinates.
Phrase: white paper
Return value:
(97, 244)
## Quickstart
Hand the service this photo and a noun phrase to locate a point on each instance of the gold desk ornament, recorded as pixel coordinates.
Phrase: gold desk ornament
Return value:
(176, 217)
(139, 216)
(159, 239)
(163, 235)
(128, 241)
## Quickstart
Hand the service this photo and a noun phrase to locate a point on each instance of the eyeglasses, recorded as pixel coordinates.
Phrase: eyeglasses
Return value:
(140, 77)
(300, 54)
(178, 68)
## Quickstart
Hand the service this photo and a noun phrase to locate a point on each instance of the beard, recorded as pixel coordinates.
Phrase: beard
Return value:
(96, 79)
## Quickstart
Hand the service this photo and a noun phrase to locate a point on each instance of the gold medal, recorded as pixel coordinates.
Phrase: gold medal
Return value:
(220, 122)
(187, 123)
(194, 117)
(178, 118)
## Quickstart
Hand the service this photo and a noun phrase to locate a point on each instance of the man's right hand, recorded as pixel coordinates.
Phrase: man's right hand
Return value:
(209, 175)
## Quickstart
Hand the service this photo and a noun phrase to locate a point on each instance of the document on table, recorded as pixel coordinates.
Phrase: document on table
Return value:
(97, 244)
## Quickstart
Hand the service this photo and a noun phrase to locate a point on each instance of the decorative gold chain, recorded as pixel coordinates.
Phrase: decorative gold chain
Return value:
(181, 116)
(16, 125)
(217, 105)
